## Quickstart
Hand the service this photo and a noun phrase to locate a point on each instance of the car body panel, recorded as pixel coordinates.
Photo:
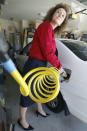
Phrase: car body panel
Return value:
(74, 91)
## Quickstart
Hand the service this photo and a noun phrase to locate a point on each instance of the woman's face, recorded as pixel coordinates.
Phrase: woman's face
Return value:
(59, 16)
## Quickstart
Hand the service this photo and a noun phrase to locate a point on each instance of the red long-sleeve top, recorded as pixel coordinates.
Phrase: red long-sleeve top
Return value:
(44, 46)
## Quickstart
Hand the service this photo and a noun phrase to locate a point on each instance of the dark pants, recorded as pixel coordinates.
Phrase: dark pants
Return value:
(30, 64)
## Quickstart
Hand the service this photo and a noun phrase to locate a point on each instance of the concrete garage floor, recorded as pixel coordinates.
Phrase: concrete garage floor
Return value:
(55, 122)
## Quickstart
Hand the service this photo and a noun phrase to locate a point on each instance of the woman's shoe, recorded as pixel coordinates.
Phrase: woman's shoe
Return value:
(26, 129)
(38, 113)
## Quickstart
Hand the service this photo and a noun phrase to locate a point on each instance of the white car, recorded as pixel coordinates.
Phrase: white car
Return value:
(73, 56)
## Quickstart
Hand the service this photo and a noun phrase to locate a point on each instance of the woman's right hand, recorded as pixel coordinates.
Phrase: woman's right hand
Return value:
(63, 72)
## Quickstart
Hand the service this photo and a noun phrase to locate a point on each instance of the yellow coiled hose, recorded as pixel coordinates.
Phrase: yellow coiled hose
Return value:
(43, 83)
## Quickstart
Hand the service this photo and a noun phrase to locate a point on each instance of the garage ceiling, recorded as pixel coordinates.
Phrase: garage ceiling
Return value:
(32, 9)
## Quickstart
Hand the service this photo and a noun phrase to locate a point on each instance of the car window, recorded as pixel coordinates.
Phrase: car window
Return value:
(78, 48)
(84, 37)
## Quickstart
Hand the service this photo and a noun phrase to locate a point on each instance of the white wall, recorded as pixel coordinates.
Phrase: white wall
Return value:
(73, 24)
(79, 24)
(83, 22)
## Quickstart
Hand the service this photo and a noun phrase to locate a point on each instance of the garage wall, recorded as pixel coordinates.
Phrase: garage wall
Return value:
(73, 24)
(8, 25)
(83, 22)
(79, 24)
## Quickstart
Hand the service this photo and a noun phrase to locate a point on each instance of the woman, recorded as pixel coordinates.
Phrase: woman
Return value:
(43, 49)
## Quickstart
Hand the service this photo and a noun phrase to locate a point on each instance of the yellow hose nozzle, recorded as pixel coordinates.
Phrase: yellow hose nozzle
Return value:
(23, 86)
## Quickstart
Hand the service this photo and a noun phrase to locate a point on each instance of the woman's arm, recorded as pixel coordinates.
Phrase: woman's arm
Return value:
(46, 46)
